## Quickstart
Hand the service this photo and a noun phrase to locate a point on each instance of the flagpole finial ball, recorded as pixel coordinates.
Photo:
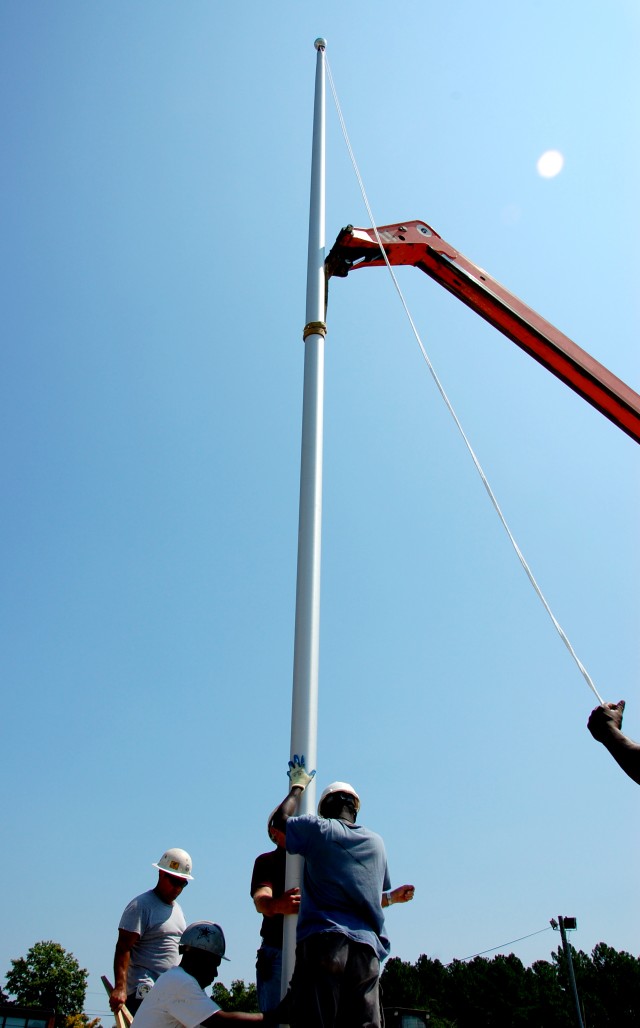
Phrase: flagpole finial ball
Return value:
(320, 44)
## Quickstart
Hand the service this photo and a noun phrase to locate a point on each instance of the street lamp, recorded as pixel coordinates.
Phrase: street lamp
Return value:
(564, 925)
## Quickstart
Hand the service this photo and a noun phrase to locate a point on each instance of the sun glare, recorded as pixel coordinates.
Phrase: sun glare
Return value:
(550, 163)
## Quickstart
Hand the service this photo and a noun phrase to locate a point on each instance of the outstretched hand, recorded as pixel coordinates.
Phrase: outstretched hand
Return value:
(603, 718)
(403, 894)
(298, 774)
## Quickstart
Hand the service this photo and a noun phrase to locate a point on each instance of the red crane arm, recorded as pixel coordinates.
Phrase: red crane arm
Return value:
(415, 243)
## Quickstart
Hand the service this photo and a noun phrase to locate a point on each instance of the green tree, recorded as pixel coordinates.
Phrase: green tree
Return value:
(240, 997)
(82, 1021)
(610, 992)
(400, 984)
(583, 973)
(433, 977)
(419, 986)
(501, 992)
(549, 996)
(49, 977)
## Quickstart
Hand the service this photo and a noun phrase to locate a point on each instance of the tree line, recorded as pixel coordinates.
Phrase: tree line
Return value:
(481, 993)
(502, 993)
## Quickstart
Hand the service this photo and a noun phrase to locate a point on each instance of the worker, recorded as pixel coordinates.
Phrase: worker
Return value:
(340, 935)
(605, 725)
(149, 932)
(273, 901)
(178, 999)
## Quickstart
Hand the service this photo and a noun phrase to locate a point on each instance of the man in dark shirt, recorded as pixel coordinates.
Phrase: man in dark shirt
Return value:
(273, 902)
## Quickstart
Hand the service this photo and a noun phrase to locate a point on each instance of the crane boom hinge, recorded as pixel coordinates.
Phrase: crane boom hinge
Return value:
(416, 243)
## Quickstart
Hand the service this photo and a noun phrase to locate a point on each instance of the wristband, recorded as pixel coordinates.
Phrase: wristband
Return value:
(389, 900)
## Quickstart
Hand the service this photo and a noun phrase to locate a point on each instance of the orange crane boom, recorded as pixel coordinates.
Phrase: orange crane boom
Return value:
(416, 243)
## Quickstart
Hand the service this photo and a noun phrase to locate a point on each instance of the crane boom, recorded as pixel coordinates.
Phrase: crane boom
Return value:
(416, 243)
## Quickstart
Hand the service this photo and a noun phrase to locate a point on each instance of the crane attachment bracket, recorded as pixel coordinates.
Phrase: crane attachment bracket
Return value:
(416, 244)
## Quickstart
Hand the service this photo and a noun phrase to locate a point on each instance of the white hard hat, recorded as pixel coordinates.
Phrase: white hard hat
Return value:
(175, 862)
(339, 787)
(205, 935)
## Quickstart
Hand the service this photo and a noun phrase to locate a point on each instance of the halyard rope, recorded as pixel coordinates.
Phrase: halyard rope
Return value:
(448, 404)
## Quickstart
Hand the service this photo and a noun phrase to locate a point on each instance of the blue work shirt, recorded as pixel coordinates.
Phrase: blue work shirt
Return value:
(345, 874)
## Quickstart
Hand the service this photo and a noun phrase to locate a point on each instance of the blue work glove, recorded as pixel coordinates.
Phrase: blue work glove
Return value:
(298, 774)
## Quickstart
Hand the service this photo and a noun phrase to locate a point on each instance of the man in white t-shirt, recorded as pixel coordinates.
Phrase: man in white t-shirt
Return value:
(178, 999)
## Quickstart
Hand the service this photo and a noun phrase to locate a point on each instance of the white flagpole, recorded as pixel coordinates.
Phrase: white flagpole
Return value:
(304, 707)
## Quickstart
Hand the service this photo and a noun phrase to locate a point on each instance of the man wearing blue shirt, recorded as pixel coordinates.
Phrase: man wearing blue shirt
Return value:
(341, 938)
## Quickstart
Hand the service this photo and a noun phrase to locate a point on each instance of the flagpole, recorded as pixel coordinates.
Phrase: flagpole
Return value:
(304, 706)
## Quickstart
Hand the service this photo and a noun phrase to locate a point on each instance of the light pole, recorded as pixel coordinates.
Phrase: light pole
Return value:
(569, 924)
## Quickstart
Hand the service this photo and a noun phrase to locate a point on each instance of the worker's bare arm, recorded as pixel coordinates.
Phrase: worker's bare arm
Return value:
(288, 808)
(126, 942)
(268, 905)
(605, 725)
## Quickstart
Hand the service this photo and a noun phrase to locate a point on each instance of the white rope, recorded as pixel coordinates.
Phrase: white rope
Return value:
(449, 406)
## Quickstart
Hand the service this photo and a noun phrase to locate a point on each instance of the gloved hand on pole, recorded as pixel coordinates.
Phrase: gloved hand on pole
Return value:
(298, 774)
(299, 779)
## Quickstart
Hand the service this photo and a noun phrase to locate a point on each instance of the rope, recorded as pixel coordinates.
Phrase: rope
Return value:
(494, 948)
(448, 404)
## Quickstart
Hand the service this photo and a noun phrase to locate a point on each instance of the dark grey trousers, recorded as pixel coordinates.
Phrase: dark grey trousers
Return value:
(335, 984)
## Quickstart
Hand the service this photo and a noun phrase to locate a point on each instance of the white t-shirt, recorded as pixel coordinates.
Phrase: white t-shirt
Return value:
(175, 1001)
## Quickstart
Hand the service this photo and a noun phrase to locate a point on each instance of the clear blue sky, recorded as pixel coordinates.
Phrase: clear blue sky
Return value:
(153, 249)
